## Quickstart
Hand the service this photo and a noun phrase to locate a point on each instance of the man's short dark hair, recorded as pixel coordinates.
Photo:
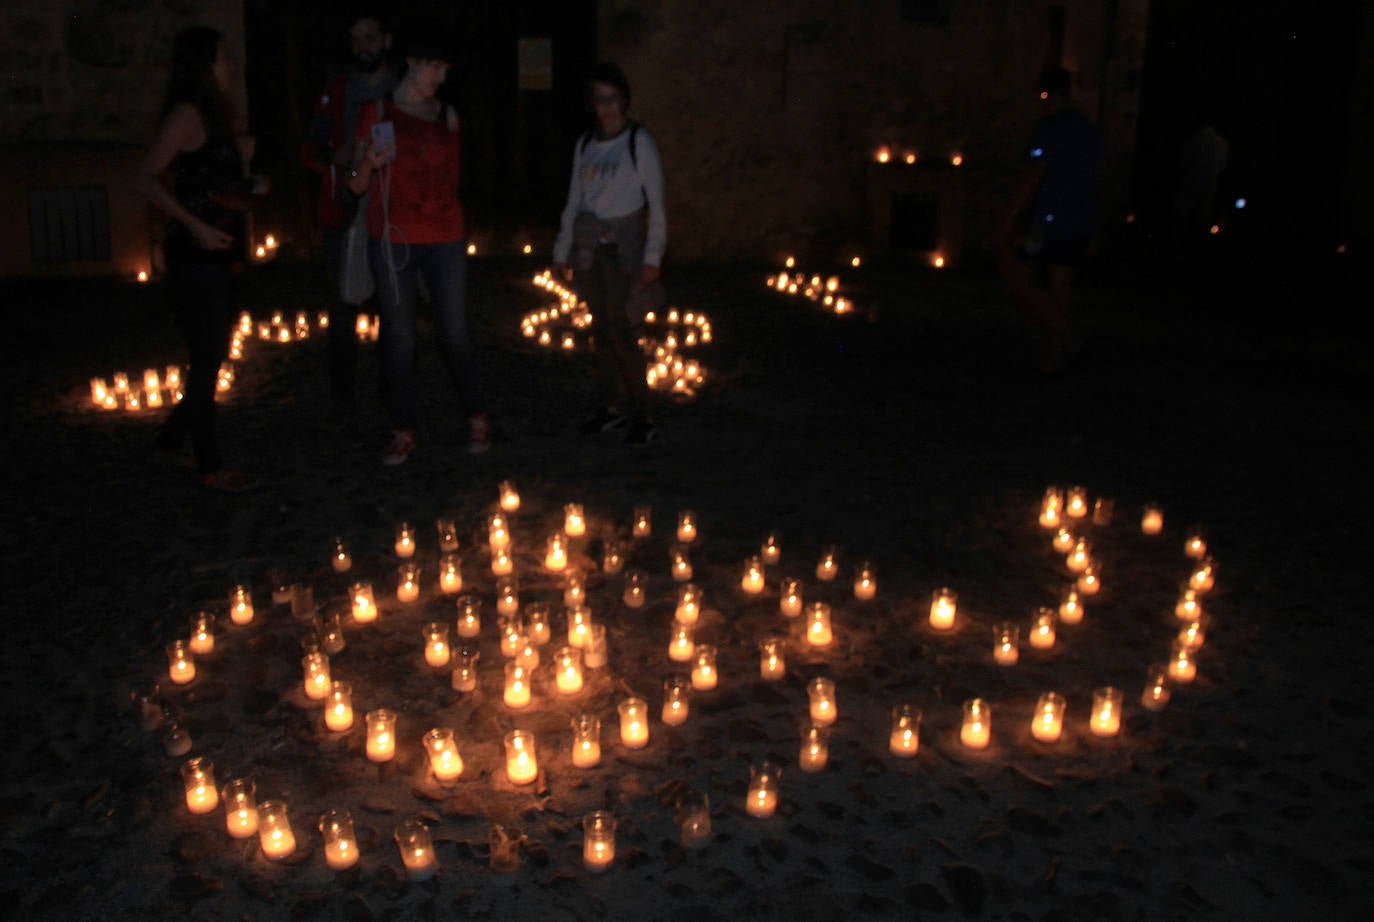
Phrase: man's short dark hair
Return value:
(1057, 82)
(611, 75)
(428, 41)
(367, 12)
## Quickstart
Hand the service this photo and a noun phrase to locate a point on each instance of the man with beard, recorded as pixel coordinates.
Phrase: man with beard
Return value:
(328, 150)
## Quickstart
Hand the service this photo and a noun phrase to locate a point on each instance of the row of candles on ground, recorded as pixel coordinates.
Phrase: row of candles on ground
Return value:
(885, 154)
(662, 341)
(1060, 509)
(156, 390)
(824, 292)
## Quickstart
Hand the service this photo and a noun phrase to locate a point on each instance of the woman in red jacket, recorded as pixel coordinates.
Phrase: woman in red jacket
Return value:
(409, 159)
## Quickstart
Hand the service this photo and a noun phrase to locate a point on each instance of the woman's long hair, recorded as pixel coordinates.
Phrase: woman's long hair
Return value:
(194, 52)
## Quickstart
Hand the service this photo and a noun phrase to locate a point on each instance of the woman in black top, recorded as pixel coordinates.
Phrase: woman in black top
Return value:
(196, 173)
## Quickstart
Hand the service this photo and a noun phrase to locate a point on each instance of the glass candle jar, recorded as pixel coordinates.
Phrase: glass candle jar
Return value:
(642, 521)
(688, 608)
(281, 586)
(407, 582)
(338, 708)
(1156, 691)
(436, 644)
(444, 760)
(537, 627)
(612, 557)
(1064, 541)
(1106, 716)
(1189, 607)
(579, 624)
(681, 566)
(1042, 628)
(1051, 508)
(364, 605)
(1006, 644)
(240, 809)
(340, 842)
(502, 563)
(448, 535)
(1204, 575)
(469, 616)
(202, 641)
(635, 583)
(510, 497)
(828, 566)
(1090, 580)
(1104, 510)
(752, 580)
(1080, 556)
(677, 692)
(686, 526)
(302, 601)
(450, 574)
(762, 800)
(598, 841)
(594, 652)
(556, 553)
(1195, 544)
(274, 830)
(1193, 634)
(241, 605)
(507, 597)
(772, 659)
(944, 605)
(181, 665)
(417, 850)
(315, 667)
(1152, 520)
(905, 739)
(586, 744)
(574, 587)
(405, 540)
(522, 766)
(821, 694)
(527, 653)
(198, 777)
(176, 739)
(568, 670)
(1047, 722)
(694, 819)
(976, 730)
(465, 670)
(381, 735)
(517, 693)
(511, 631)
(329, 633)
(1071, 606)
(790, 598)
(498, 532)
(815, 748)
(574, 522)
(634, 723)
(771, 550)
(1182, 665)
(1076, 503)
(704, 672)
(818, 632)
(865, 582)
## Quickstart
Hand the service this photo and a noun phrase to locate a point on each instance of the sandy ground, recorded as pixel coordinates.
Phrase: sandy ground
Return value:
(912, 435)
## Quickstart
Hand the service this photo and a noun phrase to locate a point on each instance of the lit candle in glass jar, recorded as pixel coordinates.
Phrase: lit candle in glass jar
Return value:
(1204, 575)
(643, 522)
(517, 694)
(790, 602)
(676, 700)
(316, 669)
(594, 651)
(574, 587)
(1195, 545)
(634, 589)
(527, 653)
(598, 841)
(502, 563)
(274, 830)
(772, 662)
(1042, 628)
(281, 587)
(612, 557)
(1182, 665)
(341, 560)
(405, 540)
(364, 608)
(436, 644)
(1152, 520)
(687, 526)
(1106, 719)
(381, 735)
(202, 640)
(1156, 692)
(1080, 556)
(865, 582)
(1051, 508)
(1090, 580)
(407, 583)
(818, 632)
(574, 523)
(1189, 607)
(340, 843)
(704, 673)
(498, 532)
(537, 627)
(198, 777)
(821, 694)
(1076, 503)
(507, 597)
(338, 709)
(444, 759)
(762, 800)
(511, 630)
(448, 535)
(682, 566)
(688, 604)
(976, 730)
(510, 497)
(417, 850)
(521, 765)
(1047, 723)
(1071, 607)
(241, 605)
(240, 808)
(771, 552)
(944, 605)
(469, 616)
(828, 567)
(905, 739)
(450, 574)
(1064, 541)
(568, 670)
(1193, 634)
(176, 739)
(181, 666)
(634, 723)
(815, 749)
(99, 390)
(1006, 644)
(680, 645)
(579, 622)
(586, 751)
(465, 670)
(694, 819)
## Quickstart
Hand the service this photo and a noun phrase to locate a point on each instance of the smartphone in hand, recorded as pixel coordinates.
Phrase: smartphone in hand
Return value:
(384, 137)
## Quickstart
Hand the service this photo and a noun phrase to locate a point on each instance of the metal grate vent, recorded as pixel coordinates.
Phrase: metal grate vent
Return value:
(69, 224)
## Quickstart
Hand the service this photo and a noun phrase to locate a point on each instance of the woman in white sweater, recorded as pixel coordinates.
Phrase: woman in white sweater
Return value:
(612, 234)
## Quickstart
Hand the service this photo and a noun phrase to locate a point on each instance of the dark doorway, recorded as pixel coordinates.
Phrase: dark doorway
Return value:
(517, 144)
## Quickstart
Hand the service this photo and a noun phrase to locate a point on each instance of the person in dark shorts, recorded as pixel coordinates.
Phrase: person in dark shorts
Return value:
(1048, 231)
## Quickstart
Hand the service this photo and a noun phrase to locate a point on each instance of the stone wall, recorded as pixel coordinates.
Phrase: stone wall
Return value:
(767, 113)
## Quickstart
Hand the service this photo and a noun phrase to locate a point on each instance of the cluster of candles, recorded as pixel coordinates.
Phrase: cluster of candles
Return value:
(885, 154)
(265, 250)
(822, 291)
(154, 391)
(566, 322)
(693, 668)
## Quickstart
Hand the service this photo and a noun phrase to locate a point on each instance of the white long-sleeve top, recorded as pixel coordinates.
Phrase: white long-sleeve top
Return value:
(609, 184)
